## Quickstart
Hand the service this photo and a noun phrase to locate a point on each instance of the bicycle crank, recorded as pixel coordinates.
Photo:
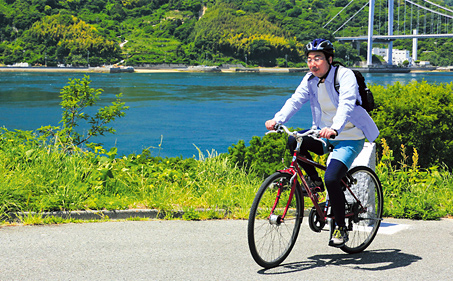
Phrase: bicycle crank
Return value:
(315, 222)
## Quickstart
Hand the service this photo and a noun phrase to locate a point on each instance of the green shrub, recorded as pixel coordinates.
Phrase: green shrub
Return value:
(76, 97)
(418, 115)
(263, 156)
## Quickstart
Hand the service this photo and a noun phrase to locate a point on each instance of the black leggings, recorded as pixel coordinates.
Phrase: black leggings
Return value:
(336, 170)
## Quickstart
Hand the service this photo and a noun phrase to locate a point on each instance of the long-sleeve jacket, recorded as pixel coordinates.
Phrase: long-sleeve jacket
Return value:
(345, 102)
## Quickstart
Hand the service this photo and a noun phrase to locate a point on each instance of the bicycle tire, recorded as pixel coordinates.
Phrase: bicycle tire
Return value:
(364, 227)
(270, 241)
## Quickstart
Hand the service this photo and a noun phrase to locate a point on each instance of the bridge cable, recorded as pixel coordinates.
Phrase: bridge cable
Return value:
(438, 23)
(338, 14)
(399, 4)
(411, 19)
(405, 17)
(418, 18)
(432, 22)
(350, 18)
(432, 11)
(438, 6)
(424, 32)
(379, 18)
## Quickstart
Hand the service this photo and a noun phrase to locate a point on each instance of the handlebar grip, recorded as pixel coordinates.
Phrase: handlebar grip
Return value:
(336, 132)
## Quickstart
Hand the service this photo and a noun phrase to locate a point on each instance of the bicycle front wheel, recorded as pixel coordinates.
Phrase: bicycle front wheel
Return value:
(271, 236)
(368, 211)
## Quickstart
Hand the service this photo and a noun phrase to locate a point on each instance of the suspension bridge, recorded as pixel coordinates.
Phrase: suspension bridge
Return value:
(409, 19)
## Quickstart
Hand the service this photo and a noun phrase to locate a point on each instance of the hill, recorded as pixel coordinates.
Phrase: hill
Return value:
(211, 32)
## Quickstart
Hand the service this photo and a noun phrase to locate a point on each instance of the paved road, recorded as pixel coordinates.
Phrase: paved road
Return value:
(216, 250)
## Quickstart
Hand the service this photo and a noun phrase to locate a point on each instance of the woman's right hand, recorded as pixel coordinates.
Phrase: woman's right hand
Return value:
(270, 124)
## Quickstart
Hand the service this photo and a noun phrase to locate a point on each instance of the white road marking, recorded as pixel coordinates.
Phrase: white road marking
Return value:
(391, 228)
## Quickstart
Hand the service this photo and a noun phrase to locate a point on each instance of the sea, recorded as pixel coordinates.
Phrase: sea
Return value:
(177, 114)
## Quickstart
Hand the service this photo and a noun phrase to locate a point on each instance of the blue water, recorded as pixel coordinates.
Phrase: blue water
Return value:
(172, 113)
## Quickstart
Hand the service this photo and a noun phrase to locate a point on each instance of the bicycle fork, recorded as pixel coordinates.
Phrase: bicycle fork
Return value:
(275, 219)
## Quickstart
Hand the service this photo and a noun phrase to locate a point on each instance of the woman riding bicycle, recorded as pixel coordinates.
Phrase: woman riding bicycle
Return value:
(339, 116)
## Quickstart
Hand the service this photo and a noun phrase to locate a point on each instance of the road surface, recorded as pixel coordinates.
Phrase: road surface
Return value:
(216, 250)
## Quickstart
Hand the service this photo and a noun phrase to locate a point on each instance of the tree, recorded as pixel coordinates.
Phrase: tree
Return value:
(76, 97)
(261, 52)
(73, 37)
(345, 53)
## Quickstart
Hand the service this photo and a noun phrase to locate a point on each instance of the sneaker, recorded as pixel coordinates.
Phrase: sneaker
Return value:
(314, 185)
(339, 237)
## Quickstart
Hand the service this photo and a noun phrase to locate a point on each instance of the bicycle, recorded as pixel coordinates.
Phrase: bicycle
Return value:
(278, 208)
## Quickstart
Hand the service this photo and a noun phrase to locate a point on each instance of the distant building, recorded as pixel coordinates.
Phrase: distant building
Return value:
(20, 64)
(424, 63)
(398, 56)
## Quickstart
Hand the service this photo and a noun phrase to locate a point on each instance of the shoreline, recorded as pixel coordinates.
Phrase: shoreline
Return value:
(148, 70)
(219, 70)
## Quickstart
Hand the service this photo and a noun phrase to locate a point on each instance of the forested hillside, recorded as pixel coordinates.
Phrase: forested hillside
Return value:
(211, 32)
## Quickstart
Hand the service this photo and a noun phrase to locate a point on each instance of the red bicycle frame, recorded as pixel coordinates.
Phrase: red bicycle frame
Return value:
(295, 171)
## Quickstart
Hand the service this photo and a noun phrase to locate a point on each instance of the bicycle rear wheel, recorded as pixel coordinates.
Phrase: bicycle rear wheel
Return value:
(270, 237)
(365, 224)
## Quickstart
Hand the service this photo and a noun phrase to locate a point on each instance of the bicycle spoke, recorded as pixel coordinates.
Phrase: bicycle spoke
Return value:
(271, 238)
(368, 191)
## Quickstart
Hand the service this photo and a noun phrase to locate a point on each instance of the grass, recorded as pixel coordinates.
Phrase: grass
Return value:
(37, 178)
(411, 192)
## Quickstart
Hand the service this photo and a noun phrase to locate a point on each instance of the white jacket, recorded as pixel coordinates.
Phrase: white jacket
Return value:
(345, 102)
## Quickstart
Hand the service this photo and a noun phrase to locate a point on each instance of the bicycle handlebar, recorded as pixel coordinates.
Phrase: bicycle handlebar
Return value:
(313, 132)
(279, 128)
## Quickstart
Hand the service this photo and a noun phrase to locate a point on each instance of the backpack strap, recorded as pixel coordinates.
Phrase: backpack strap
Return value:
(335, 80)
(336, 83)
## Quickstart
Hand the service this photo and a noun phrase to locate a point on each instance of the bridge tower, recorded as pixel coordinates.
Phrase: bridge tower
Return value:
(414, 46)
(370, 31)
(390, 32)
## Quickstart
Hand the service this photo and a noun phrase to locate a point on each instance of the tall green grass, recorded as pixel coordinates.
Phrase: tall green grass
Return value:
(411, 192)
(39, 178)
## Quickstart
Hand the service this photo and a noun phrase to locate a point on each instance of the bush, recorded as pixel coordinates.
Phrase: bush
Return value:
(418, 115)
(76, 97)
(263, 156)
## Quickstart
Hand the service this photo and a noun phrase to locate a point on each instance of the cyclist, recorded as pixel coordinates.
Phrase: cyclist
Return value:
(338, 116)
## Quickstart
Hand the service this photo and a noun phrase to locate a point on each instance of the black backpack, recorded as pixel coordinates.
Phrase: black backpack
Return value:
(365, 93)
